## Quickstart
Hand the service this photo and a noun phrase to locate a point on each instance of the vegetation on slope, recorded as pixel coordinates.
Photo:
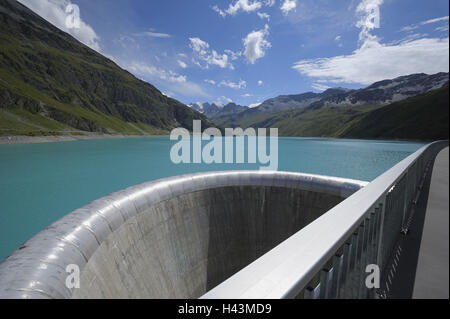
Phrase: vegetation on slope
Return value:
(52, 84)
(323, 122)
(422, 117)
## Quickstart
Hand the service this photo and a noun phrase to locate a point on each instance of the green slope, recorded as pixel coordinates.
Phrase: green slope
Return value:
(52, 84)
(422, 117)
(323, 122)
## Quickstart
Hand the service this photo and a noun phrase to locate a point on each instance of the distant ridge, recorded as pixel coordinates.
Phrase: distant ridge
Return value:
(213, 110)
(332, 112)
(422, 117)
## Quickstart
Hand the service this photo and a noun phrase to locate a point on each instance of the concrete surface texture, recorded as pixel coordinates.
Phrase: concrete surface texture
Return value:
(432, 275)
(172, 238)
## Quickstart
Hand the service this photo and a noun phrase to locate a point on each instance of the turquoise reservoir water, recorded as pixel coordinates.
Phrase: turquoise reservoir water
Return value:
(39, 183)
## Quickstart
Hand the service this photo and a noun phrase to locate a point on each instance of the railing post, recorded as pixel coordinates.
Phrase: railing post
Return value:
(404, 230)
(365, 257)
(380, 229)
(324, 283)
(345, 273)
(336, 278)
(354, 263)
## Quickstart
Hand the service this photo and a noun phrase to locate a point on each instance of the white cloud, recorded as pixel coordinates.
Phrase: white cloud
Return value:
(377, 62)
(239, 5)
(269, 3)
(220, 101)
(219, 11)
(338, 40)
(442, 29)
(154, 72)
(173, 81)
(255, 44)
(369, 11)
(254, 105)
(260, 83)
(263, 15)
(417, 25)
(246, 95)
(125, 41)
(319, 87)
(182, 64)
(434, 20)
(210, 57)
(168, 94)
(198, 45)
(374, 61)
(288, 5)
(152, 34)
(54, 11)
(233, 55)
(219, 59)
(233, 85)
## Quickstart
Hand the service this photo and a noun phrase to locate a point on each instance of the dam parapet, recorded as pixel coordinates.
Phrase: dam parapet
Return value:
(176, 237)
(327, 259)
(231, 234)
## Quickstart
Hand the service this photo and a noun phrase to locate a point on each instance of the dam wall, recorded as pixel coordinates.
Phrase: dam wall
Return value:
(177, 237)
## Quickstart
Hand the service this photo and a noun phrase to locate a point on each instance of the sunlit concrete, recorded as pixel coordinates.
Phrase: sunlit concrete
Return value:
(173, 238)
(432, 275)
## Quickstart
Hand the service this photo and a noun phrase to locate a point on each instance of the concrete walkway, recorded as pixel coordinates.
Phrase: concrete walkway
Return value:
(432, 275)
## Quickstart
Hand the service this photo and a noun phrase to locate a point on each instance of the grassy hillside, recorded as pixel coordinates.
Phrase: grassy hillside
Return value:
(52, 84)
(422, 117)
(325, 122)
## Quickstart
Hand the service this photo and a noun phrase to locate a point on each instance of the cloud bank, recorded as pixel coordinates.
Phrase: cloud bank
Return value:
(173, 81)
(374, 61)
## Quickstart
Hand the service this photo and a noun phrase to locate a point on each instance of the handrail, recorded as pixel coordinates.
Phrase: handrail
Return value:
(286, 270)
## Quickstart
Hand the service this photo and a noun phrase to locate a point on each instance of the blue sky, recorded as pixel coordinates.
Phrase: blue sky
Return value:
(246, 51)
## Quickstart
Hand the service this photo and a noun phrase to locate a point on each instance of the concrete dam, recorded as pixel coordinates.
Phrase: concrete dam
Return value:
(177, 237)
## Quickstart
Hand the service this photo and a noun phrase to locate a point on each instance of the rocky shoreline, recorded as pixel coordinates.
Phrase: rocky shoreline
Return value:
(19, 139)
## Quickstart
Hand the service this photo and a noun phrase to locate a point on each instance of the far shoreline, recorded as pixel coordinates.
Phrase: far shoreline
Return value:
(25, 139)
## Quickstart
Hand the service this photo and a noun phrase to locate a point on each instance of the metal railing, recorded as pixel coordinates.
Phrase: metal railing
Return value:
(328, 258)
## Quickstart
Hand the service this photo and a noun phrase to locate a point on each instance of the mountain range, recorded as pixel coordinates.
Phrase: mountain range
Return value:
(51, 84)
(421, 117)
(213, 110)
(333, 111)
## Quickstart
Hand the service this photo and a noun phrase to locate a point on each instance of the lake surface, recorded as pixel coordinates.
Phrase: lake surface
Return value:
(40, 183)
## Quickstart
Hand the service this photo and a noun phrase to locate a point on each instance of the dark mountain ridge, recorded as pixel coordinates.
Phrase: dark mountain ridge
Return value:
(354, 101)
(421, 117)
(52, 83)
(387, 91)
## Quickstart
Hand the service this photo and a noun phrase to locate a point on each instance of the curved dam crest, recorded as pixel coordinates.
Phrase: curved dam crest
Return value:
(177, 237)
